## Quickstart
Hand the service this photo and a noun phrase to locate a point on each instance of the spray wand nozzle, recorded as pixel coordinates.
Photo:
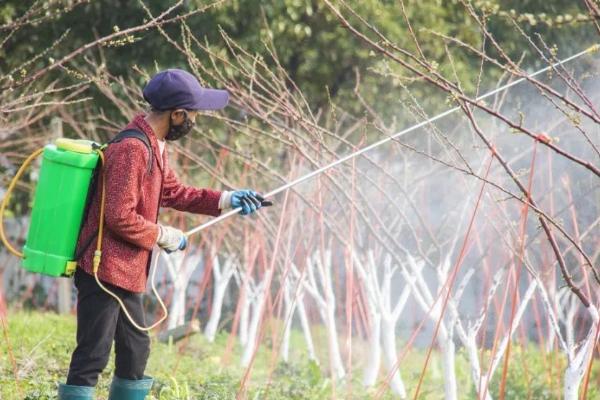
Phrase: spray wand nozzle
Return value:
(263, 202)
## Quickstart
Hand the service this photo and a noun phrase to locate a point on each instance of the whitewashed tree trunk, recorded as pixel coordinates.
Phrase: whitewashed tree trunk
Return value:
(373, 303)
(579, 360)
(180, 267)
(244, 321)
(371, 370)
(560, 307)
(388, 336)
(221, 280)
(322, 293)
(448, 350)
(468, 337)
(289, 305)
(553, 306)
(473, 353)
(244, 289)
(256, 299)
(293, 296)
(445, 338)
(324, 268)
(334, 346)
(310, 347)
(497, 357)
(569, 311)
(384, 319)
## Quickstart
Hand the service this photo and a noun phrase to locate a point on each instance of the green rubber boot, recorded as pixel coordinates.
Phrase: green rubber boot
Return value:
(72, 392)
(125, 389)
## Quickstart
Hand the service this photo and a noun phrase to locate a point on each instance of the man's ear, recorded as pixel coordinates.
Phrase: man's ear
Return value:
(176, 116)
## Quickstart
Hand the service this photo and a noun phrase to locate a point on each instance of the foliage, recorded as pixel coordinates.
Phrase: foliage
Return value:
(317, 53)
(42, 343)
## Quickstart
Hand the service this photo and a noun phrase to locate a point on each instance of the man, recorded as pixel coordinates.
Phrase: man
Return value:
(138, 182)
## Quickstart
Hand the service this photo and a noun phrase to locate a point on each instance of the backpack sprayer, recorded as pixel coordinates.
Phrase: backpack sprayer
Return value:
(62, 191)
(66, 176)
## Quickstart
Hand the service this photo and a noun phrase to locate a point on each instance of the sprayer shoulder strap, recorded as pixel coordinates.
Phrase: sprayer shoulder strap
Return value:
(134, 133)
(127, 133)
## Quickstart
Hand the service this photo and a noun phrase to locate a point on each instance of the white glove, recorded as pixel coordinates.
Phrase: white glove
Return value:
(171, 239)
(225, 200)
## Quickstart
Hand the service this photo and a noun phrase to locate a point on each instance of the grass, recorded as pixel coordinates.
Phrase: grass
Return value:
(42, 344)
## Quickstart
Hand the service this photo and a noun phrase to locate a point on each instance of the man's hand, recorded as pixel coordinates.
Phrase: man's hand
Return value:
(248, 200)
(171, 239)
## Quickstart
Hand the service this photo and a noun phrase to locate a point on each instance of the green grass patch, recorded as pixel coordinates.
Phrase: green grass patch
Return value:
(42, 343)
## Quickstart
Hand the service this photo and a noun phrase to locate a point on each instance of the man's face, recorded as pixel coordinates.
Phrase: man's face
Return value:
(178, 116)
(181, 123)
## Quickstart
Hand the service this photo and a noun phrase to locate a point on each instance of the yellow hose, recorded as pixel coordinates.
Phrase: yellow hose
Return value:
(6, 198)
(97, 253)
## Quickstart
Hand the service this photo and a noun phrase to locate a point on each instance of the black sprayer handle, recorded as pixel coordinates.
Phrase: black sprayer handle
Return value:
(263, 201)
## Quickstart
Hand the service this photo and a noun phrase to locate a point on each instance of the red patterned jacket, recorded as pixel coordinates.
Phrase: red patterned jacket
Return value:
(131, 210)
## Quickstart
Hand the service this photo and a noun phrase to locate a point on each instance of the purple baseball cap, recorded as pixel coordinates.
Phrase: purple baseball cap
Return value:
(176, 88)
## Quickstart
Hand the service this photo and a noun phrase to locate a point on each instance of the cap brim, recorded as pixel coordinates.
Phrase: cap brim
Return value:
(212, 99)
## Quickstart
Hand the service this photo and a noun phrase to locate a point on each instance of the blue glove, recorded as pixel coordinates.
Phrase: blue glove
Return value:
(249, 200)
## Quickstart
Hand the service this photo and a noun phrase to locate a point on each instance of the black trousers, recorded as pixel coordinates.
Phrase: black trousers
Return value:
(100, 320)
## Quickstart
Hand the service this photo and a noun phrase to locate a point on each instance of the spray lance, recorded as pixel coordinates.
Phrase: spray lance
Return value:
(390, 138)
(62, 190)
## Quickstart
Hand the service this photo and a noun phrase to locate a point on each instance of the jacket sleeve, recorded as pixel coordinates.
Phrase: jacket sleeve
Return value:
(186, 198)
(124, 172)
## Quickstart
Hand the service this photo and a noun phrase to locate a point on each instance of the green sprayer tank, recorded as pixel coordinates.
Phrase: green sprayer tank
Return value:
(58, 206)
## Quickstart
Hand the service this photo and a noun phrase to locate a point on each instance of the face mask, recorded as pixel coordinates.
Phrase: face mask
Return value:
(178, 131)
